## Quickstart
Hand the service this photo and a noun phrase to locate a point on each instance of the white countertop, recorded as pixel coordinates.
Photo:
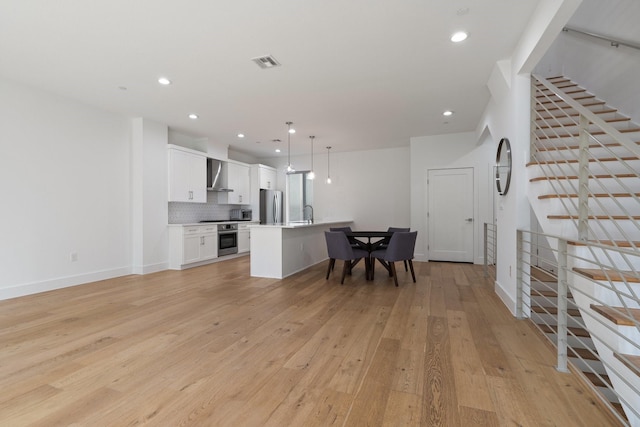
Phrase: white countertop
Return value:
(302, 224)
(191, 224)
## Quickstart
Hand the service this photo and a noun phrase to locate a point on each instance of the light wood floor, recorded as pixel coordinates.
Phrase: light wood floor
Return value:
(212, 346)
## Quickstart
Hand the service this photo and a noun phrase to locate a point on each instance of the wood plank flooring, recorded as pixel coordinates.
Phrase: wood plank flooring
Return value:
(211, 346)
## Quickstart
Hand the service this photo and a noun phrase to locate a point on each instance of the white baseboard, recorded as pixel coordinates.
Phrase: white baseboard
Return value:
(505, 297)
(61, 282)
(150, 268)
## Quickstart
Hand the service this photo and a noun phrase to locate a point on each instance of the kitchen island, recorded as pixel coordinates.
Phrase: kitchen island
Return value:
(280, 250)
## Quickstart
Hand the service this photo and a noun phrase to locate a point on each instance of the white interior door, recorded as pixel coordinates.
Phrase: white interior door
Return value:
(450, 214)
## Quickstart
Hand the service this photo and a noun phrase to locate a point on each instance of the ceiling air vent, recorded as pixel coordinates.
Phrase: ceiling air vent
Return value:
(267, 61)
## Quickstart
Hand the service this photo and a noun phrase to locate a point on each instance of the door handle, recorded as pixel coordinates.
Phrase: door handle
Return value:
(469, 219)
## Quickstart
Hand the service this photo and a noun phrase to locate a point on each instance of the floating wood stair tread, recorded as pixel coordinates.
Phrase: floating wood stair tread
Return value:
(575, 147)
(619, 175)
(554, 310)
(577, 332)
(545, 125)
(583, 353)
(618, 243)
(556, 80)
(566, 196)
(615, 276)
(617, 315)
(562, 84)
(630, 361)
(573, 161)
(586, 104)
(576, 135)
(559, 80)
(558, 99)
(541, 293)
(549, 294)
(575, 114)
(570, 89)
(601, 380)
(542, 275)
(599, 217)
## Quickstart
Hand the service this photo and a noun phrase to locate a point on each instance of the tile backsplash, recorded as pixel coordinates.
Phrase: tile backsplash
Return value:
(184, 213)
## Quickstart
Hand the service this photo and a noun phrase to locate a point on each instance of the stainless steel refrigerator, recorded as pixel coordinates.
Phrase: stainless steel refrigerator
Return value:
(271, 207)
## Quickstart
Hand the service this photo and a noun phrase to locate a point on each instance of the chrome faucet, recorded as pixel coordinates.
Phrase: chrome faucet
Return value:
(310, 219)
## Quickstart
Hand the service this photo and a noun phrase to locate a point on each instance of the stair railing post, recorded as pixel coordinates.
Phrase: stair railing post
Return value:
(486, 252)
(519, 267)
(532, 117)
(562, 306)
(583, 180)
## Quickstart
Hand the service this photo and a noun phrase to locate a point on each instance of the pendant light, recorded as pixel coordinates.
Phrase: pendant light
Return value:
(289, 132)
(311, 174)
(328, 166)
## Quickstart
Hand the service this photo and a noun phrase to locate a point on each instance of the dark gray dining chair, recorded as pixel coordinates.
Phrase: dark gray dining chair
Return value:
(352, 241)
(338, 247)
(385, 242)
(401, 247)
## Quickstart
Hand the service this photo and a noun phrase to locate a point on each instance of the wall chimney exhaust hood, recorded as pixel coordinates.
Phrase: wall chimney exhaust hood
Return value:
(215, 180)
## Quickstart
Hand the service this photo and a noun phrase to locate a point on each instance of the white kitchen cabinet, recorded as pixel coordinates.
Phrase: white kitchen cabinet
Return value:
(192, 244)
(187, 176)
(238, 178)
(191, 249)
(267, 176)
(244, 238)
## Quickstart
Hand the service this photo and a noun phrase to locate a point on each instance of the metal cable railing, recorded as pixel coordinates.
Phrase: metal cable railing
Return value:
(592, 319)
(583, 289)
(490, 250)
(591, 168)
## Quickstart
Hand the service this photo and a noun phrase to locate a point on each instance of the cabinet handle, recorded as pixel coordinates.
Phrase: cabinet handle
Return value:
(202, 240)
(190, 195)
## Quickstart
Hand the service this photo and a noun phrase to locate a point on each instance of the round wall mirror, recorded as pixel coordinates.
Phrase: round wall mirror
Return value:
(503, 166)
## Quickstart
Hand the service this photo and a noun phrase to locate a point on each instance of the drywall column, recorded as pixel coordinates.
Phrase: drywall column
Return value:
(149, 180)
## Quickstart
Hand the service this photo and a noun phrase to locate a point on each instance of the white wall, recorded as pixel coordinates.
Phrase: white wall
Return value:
(508, 115)
(149, 189)
(460, 150)
(64, 174)
(608, 72)
(371, 187)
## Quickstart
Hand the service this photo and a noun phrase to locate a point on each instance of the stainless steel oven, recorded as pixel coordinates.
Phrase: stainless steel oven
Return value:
(227, 239)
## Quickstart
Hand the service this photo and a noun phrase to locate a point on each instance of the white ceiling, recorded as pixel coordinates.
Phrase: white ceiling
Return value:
(357, 74)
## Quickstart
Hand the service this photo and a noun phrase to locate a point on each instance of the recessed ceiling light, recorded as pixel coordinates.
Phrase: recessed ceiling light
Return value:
(241, 135)
(448, 113)
(164, 81)
(277, 150)
(193, 116)
(292, 130)
(459, 36)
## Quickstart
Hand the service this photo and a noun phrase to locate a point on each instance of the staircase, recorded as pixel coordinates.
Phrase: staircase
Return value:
(585, 192)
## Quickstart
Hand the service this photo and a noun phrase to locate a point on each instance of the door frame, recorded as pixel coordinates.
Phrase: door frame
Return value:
(474, 208)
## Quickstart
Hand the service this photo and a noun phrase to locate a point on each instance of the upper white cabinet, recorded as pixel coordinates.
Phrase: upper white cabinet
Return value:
(187, 175)
(239, 180)
(267, 176)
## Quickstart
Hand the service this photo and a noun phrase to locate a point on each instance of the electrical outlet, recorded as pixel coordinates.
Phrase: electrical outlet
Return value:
(73, 256)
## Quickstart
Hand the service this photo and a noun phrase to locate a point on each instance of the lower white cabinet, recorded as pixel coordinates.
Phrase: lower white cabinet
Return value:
(192, 244)
(244, 236)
